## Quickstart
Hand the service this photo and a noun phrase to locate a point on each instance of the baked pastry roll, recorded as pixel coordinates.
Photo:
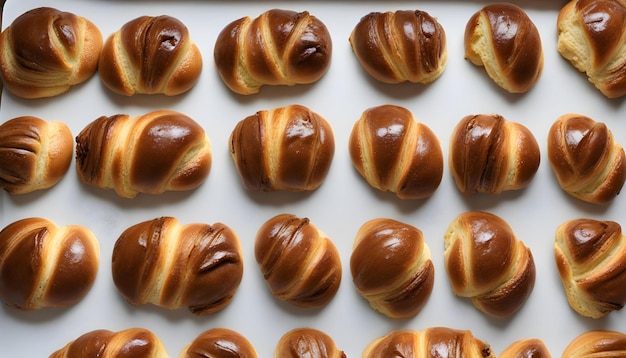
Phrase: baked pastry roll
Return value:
(530, 348)
(597, 343)
(400, 46)
(102, 343)
(307, 342)
(219, 342)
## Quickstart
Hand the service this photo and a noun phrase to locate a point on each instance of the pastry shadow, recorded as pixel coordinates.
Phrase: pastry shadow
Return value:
(42, 315)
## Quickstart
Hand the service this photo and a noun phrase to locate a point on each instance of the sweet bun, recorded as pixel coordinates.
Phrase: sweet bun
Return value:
(102, 343)
(526, 348)
(597, 343)
(219, 342)
(307, 342)
(502, 38)
(400, 46)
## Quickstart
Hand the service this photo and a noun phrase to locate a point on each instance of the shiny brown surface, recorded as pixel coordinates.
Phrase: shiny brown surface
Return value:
(101, 343)
(597, 343)
(219, 342)
(307, 342)
(526, 348)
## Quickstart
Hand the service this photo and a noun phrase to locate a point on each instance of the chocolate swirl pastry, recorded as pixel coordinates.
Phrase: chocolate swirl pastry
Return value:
(219, 342)
(102, 343)
(597, 343)
(530, 348)
(307, 342)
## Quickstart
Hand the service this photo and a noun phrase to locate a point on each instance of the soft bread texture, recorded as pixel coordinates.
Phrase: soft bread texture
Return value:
(489, 154)
(307, 342)
(394, 152)
(219, 342)
(279, 47)
(44, 52)
(102, 343)
(299, 263)
(591, 260)
(400, 46)
(391, 267)
(585, 158)
(430, 342)
(526, 348)
(171, 265)
(488, 264)
(598, 51)
(34, 154)
(597, 343)
(44, 265)
(150, 55)
(502, 38)
(153, 153)
(288, 148)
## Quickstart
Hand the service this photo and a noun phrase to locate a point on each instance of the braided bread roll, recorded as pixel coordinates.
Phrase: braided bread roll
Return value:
(289, 148)
(391, 267)
(171, 265)
(307, 342)
(44, 52)
(489, 154)
(34, 154)
(279, 47)
(101, 343)
(44, 265)
(530, 348)
(586, 160)
(502, 38)
(487, 263)
(598, 51)
(591, 260)
(219, 342)
(300, 264)
(150, 55)
(393, 151)
(597, 343)
(400, 46)
(430, 342)
(156, 152)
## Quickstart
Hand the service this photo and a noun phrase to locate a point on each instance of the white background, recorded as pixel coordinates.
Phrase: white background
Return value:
(339, 207)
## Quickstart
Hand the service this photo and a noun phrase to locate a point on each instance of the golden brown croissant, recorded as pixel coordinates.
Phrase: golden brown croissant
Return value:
(44, 52)
(430, 342)
(400, 46)
(592, 36)
(588, 163)
(289, 148)
(101, 343)
(219, 342)
(44, 265)
(307, 343)
(591, 260)
(198, 266)
(34, 154)
(393, 151)
(279, 47)
(597, 343)
(487, 263)
(391, 267)
(300, 264)
(489, 154)
(150, 55)
(526, 348)
(502, 38)
(156, 152)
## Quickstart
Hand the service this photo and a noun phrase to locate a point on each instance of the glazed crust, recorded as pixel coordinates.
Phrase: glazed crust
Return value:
(102, 343)
(526, 348)
(597, 343)
(219, 342)
(307, 342)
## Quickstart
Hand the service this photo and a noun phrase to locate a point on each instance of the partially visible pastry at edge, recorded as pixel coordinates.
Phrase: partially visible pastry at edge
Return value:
(597, 343)
(429, 342)
(279, 47)
(219, 342)
(150, 55)
(592, 36)
(45, 265)
(587, 161)
(152, 153)
(288, 148)
(502, 38)
(174, 265)
(45, 51)
(102, 343)
(305, 343)
(489, 154)
(34, 154)
(488, 264)
(391, 267)
(400, 46)
(529, 347)
(299, 263)
(394, 152)
(591, 260)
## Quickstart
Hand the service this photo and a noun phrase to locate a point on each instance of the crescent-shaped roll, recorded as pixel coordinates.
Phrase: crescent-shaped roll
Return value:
(219, 342)
(597, 343)
(400, 46)
(45, 265)
(526, 348)
(394, 152)
(288, 148)
(488, 264)
(279, 47)
(102, 343)
(150, 55)
(391, 267)
(307, 342)
(171, 265)
(34, 154)
(585, 158)
(299, 263)
(591, 260)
